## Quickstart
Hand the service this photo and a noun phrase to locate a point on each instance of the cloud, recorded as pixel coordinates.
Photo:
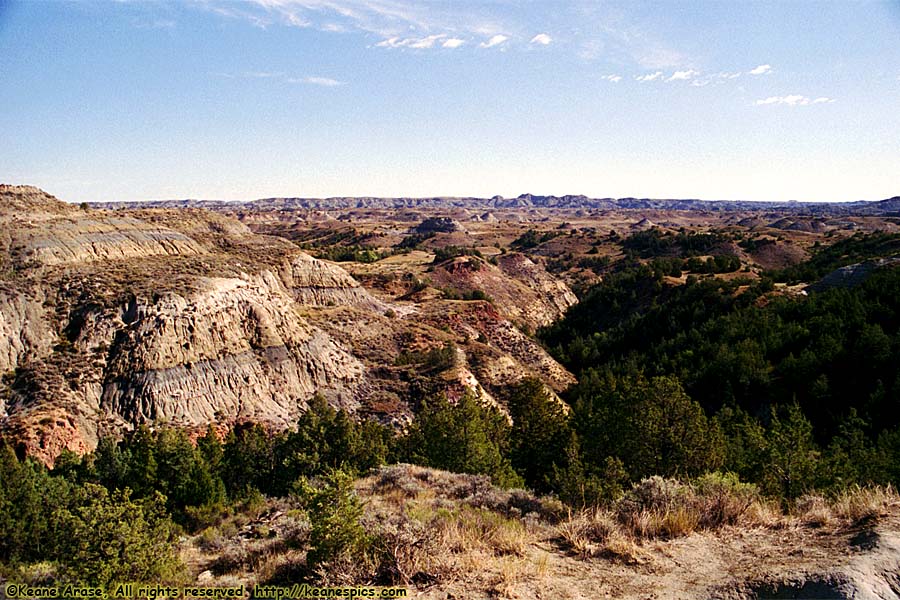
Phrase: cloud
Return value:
(257, 20)
(453, 43)
(793, 100)
(760, 70)
(612, 78)
(649, 76)
(413, 42)
(322, 81)
(683, 75)
(426, 42)
(494, 41)
(393, 42)
(384, 17)
(282, 77)
(541, 38)
(261, 74)
(727, 75)
(396, 20)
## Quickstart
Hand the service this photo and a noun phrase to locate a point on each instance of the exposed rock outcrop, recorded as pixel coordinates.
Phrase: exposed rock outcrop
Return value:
(319, 283)
(522, 290)
(113, 318)
(110, 320)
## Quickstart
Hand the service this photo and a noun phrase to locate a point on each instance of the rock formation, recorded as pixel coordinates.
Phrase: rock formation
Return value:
(110, 318)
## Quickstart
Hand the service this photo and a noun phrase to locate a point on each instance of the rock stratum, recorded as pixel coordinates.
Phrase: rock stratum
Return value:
(113, 318)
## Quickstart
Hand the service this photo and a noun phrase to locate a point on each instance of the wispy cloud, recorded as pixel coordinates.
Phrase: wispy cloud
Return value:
(683, 75)
(541, 38)
(322, 81)
(393, 42)
(495, 40)
(261, 74)
(794, 100)
(760, 70)
(412, 42)
(427, 42)
(234, 12)
(284, 78)
(396, 20)
(649, 76)
(612, 78)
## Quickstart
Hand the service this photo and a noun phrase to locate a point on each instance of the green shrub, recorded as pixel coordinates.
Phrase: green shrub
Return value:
(334, 512)
(108, 537)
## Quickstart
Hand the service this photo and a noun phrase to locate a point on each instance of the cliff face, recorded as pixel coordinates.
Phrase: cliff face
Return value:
(317, 283)
(23, 329)
(108, 320)
(113, 318)
(238, 348)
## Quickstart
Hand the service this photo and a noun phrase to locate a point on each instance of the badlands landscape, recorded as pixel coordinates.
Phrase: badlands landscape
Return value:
(128, 327)
(452, 300)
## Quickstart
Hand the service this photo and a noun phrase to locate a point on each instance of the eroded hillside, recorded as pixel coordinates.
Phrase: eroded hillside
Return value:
(113, 318)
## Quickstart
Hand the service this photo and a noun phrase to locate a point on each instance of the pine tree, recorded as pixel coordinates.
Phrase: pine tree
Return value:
(539, 435)
(465, 438)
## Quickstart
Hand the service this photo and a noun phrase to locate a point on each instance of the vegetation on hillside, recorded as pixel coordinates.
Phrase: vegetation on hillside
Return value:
(790, 392)
(694, 402)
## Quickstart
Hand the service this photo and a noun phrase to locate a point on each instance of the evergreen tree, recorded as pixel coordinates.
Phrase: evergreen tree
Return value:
(28, 497)
(334, 512)
(539, 435)
(652, 426)
(465, 438)
(248, 461)
(793, 454)
(108, 537)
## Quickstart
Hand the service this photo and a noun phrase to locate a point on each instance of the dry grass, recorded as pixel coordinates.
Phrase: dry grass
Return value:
(433, 528)
(814, 511)
(857, 504)
(585, 532)
(481, 530)
(597, 532)
(658, 507)
(850, 506)
(763, 513)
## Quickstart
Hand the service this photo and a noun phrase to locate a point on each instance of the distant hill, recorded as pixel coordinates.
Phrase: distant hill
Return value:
(881, 207)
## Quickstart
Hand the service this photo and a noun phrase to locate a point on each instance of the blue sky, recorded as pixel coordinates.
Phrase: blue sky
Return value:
(246, 99)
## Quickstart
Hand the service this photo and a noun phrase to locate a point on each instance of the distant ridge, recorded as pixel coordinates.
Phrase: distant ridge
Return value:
(862, 207)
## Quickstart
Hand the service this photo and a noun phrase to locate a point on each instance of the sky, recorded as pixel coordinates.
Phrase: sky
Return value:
(245, 99)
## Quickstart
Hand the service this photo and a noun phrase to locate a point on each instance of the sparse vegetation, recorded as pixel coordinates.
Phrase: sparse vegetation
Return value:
(449, 252)
(706, 400)
(531, 239)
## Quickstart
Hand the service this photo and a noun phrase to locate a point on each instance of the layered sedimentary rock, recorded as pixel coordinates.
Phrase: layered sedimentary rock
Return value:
(109, 319)
(521, 289)
(318, 283)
